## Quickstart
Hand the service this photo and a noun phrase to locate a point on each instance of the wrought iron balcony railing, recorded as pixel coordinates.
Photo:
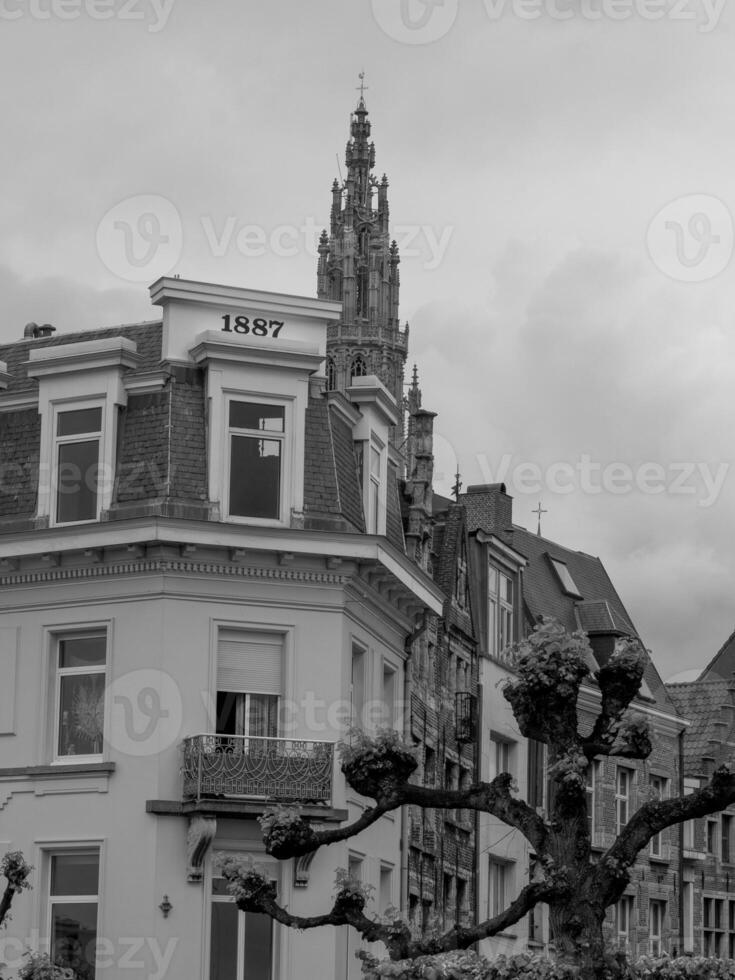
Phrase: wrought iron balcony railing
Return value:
(281, 769)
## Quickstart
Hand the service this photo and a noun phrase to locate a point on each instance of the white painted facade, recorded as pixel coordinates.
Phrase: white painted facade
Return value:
(156, 596)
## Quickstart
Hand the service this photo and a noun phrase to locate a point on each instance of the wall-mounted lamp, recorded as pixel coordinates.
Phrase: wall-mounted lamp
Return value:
(165, 906)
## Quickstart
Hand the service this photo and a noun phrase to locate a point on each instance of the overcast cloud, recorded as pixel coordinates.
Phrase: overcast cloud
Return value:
(528, 155)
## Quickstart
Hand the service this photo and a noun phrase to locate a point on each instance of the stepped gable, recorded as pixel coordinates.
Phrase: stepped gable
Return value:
(450, 548)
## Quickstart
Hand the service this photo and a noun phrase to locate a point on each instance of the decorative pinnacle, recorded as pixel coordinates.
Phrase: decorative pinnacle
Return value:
(456, 489)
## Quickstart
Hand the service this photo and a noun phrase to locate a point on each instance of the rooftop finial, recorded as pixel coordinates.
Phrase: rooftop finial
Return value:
(457, 488)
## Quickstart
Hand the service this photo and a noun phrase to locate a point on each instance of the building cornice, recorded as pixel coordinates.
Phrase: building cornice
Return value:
(166, 290)
(87, 355)
(168, 565)
(52, 544)
(297, 355)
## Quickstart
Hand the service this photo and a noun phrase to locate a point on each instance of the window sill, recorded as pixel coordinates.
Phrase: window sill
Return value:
(60, 769)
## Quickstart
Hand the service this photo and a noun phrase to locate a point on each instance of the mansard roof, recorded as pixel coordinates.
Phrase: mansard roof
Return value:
(161, 459)
(146, 336)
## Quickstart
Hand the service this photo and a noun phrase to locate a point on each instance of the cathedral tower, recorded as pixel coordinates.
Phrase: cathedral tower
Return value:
(358, 265)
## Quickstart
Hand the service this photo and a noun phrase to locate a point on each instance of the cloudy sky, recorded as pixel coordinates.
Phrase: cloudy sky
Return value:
(562, 183)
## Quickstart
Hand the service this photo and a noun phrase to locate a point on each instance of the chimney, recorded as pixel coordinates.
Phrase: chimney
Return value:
(491, 507)
(32, 330)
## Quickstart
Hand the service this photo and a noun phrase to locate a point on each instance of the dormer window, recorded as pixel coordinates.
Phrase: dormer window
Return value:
(257, 433)
(565, 578)
(80, 394)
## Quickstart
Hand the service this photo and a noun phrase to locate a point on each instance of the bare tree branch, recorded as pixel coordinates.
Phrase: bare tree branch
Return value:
(494, 797)
(348, 909)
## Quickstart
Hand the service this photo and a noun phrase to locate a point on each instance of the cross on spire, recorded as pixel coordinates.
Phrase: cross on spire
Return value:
(539, 510)
(363, 87)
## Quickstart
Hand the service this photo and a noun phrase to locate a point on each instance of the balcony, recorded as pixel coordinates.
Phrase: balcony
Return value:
(279, 770)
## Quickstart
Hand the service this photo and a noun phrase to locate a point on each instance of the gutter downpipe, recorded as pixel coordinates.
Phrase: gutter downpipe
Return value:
(681, 848)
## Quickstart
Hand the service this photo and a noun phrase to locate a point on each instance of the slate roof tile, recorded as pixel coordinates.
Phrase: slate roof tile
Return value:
(708, 705)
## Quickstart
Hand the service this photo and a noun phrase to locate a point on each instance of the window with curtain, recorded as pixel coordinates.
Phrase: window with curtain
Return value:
(249, 682)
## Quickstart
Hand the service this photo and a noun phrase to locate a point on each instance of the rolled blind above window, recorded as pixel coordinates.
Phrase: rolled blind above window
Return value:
(250, 661)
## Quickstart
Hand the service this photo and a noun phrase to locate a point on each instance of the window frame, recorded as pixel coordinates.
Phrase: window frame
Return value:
(623, 799)
(499, 873)
(501, 618)
(57, 637)
(712, 828)
(64, 408)
(626, 905)
(727, 822)
(655, 938)
(592, 787)
(656, 844)
(285, 439)
(47, 850)
(503, 752)
(211, 898)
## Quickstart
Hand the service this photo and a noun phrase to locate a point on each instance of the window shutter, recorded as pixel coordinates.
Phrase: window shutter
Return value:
(250, 661)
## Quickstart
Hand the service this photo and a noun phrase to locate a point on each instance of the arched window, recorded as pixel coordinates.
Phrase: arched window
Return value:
(331, 374)
(359, 367)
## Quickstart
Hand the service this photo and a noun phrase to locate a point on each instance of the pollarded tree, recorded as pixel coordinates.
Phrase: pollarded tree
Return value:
(550, 667)
(16, 873)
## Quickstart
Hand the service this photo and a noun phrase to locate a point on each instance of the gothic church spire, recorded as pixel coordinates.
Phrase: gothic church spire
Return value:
(358, 266)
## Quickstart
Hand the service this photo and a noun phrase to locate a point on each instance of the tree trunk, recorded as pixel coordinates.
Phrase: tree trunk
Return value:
(576, 928)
